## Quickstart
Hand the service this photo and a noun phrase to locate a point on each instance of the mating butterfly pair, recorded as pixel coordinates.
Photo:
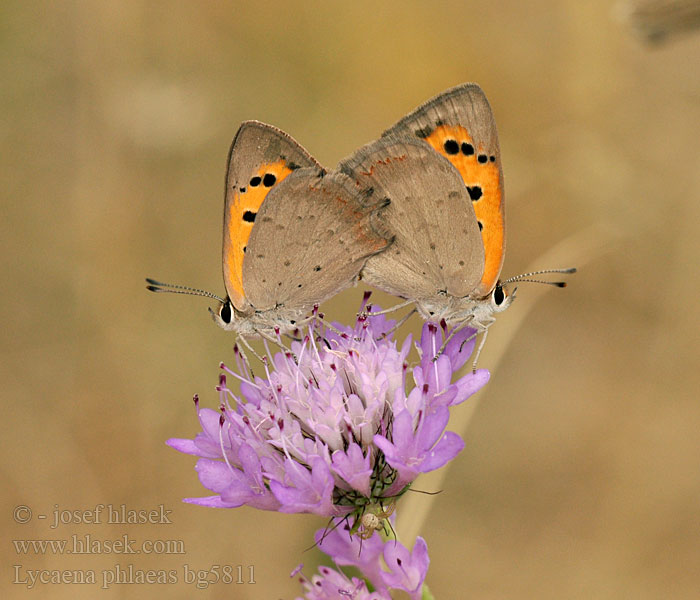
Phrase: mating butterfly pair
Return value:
(418, 213)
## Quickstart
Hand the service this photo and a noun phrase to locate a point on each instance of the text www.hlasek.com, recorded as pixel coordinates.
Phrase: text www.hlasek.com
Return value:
(87, 544)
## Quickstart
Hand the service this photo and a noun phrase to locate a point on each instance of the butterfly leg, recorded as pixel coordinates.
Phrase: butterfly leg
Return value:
(299, 325)
(244, 342)
(329, 325)
(469, 339)
(304, 321)
(398, 323)
(318, 318)
(238, 348)
(478, 350)
(458, 327)
(385, 311)
(483, 326)
(337, 331)
(277, 341)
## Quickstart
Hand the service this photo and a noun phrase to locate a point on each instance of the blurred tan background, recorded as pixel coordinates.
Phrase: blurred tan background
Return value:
(581, 474)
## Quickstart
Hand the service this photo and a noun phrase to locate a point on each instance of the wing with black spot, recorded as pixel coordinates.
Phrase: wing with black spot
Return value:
(312, 236)
(437, 246)
(261, 157)
(459, 125)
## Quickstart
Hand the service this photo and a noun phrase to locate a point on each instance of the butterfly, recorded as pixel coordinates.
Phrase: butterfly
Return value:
(294, 235)
(441, 167)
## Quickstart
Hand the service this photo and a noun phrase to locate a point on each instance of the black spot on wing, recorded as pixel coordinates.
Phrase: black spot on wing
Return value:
(451, 147)
(255, 181)
(249, 216)
(474, 192)
(269, 180)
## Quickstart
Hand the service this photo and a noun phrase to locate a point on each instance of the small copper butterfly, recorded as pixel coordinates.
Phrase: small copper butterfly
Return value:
(441, 167)
(294, 235)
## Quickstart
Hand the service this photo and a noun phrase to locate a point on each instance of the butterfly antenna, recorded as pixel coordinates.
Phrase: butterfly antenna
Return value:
(159, 287)
(560, 284)
(526, 277)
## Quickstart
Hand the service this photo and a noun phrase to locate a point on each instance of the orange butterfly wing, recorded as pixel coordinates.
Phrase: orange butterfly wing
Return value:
(459, 125)
(240, 218)
(261, 157)
(482, 176)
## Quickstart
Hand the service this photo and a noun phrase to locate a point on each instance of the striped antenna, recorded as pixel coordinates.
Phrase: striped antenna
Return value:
(160, 288)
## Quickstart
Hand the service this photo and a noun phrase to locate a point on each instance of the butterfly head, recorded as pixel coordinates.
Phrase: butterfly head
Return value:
(500, 297)
(225, 315)
(481, 311)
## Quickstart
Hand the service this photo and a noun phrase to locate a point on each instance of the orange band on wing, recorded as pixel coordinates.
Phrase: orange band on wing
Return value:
(481, 174)
(242, 212)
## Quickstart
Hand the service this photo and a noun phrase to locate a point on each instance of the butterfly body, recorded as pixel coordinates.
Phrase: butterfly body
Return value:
(475, 312)
(253, 322)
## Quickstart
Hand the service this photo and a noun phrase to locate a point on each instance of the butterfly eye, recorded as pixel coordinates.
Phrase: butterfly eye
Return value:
(498, 295)
(225, 311)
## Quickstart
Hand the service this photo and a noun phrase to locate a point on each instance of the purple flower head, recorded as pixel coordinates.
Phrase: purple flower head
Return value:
(333, 428)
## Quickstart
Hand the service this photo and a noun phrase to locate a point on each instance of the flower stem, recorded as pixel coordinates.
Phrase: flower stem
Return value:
(426, 594)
